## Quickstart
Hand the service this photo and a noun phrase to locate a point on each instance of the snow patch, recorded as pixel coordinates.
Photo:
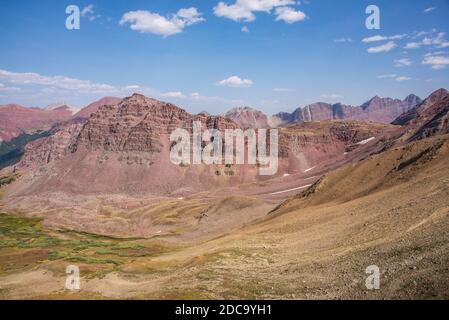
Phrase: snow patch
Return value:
(366, 141)
(310, 169)
(290, 190)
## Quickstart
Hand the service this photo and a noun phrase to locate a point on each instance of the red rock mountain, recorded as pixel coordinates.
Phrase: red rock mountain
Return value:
(248, 117)
(125, 148)
(428, 118)
(383, 110)
(93, 107)
(15, 119)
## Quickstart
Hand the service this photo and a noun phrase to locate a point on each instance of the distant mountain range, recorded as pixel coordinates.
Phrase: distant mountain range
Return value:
(16, 120)
(382, 110)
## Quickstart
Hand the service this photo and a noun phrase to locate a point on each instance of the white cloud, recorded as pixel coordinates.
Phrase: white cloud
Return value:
(342, 40)
(436, 53)
(386, 76)
(174, 94)
(189, 16)
(57, 82)
(402, 62)
(283, 90)
(132, 87)
(394, 77)
(437, 62)
(438, 41)
(243, 10)
(245, 29)
(412, 45)
(289, 15)
(429, 9)
(4, 88)
(88, 10)
(33, 88)
(148, 22)
(195, 96)
(235, 82)
(332, 96)
(383, 38)
(383, 48)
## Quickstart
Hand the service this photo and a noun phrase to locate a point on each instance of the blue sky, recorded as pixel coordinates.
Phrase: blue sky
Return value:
(274, 55)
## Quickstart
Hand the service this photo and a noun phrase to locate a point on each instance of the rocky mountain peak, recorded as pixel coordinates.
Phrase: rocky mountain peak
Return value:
(412, 99)
(438, 95)
(248, 117)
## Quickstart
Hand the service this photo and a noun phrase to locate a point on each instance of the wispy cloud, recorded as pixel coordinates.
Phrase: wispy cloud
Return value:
(402, 62)
(383, 48)
(436, 62)
(89, 13)
(4, 88)
(149, 22)
(283, 90)
(386, 76)
(383, 38)
(437, 41)
(29, 86)
(394, 77)
(402, 78)
(430, 9)
(332, 96)
(342, 40)
(245, 29)
(87, 10)
(57, 82)
(174, 94)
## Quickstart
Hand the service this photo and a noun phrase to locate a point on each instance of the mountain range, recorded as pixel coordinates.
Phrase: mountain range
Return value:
(382, 110)
(101, 192)
(16, 119)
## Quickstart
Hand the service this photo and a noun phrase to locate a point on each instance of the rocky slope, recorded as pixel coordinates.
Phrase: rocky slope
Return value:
(320, 144)
(383, 110)
(248, 117)
(427, 119)
(16, 119)
(125, 148)
(85, 112)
